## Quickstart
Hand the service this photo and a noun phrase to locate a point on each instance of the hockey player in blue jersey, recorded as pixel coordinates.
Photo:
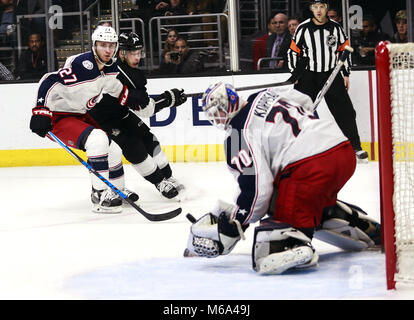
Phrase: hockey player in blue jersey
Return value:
(139, 145)
(63, 99)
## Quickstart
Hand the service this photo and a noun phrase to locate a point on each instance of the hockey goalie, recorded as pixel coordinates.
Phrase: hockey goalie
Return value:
(289, 166)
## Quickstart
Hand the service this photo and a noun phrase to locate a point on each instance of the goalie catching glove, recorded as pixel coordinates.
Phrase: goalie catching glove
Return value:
(41, 121)
(211, 236)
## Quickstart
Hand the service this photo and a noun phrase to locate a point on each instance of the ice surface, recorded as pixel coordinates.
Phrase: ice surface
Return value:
(54, 247)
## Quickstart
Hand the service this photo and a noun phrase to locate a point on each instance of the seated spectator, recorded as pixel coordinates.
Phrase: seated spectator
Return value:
(172, 8)
(259, 45)
(293, 23)
(334, 15)
(7, 23)
(368, 40)
(145, 9)
(105, 24)
(207, 7)
(278, 43)
(32, 64)
(5, 74)
(401, 21)
(183, 61)
(170, 40)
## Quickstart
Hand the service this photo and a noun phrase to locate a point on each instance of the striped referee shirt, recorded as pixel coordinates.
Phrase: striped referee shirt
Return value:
(321, 44)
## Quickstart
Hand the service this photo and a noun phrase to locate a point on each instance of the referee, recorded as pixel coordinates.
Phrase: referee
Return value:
(322, 41)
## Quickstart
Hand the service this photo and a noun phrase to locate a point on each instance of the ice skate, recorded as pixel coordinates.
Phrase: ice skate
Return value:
(167, 189)
(130, 194)
(362, 156)
(179, 186)
(106, 201)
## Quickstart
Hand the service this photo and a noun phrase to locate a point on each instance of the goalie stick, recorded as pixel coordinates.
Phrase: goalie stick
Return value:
(300, 67)
(149, 216)
(348, 50)
(187, 253)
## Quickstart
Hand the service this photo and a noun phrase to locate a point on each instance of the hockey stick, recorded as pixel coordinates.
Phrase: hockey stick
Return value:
(348, 50)
(300, 67)
(149, 216)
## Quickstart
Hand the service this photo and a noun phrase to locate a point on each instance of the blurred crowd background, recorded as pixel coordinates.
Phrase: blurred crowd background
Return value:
(37, 36)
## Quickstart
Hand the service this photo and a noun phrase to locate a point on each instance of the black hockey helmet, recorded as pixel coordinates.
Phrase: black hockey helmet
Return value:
(130, 41)
(319, 1)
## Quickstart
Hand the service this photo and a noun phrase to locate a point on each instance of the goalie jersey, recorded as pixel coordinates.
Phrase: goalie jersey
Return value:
(274, 130)
(78, 86)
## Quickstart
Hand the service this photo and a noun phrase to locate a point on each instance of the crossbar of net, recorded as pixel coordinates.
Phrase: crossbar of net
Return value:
(402, 113)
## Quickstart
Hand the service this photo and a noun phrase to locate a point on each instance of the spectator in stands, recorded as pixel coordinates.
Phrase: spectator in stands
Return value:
(145, 9)
(32, 64)
(293, 23)
(172, 8)
(183, 61)
(5, 74)
(278, 43)
(7, 23)
(259, 45)
(207, 7)
(334, 15)
(170, 40)
(105, 24)
(369, 38)
(401, 21)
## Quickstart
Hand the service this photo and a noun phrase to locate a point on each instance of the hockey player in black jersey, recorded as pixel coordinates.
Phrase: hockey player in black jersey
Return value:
(139, 146)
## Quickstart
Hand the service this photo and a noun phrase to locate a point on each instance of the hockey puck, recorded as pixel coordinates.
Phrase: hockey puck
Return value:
(190, 217)
(188, 254)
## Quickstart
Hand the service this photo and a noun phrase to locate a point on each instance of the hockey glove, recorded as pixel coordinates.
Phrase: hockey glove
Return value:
(173, 98)
(41, 121)
(135, 99)
(211, 236)
(178, 97)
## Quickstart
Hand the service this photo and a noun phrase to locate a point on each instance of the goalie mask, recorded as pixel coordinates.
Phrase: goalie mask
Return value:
(104, 34)
(221, 103)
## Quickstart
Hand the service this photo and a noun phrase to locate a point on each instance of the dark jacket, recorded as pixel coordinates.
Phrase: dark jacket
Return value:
(31, 67)
(284, 47)
(191, 63)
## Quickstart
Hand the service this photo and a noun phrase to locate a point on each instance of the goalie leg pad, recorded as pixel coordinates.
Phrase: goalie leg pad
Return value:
(278, 247)
(349, 228)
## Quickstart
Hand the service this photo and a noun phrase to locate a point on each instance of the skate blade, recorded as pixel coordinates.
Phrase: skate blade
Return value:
(99, 209)
(188, 254)
(126, 204)
(277, 263)
(362, 161)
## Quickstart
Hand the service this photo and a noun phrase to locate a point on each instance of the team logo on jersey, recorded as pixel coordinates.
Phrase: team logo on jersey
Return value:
(331, 41)
(87, 64)
(92, 102)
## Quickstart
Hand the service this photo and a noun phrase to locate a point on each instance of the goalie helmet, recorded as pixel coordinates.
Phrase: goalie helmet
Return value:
(221, 103)
(104, 34)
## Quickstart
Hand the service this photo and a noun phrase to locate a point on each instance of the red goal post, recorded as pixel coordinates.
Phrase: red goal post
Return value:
(395, 99)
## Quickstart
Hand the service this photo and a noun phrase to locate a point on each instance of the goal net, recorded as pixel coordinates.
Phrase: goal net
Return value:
(395, 96)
